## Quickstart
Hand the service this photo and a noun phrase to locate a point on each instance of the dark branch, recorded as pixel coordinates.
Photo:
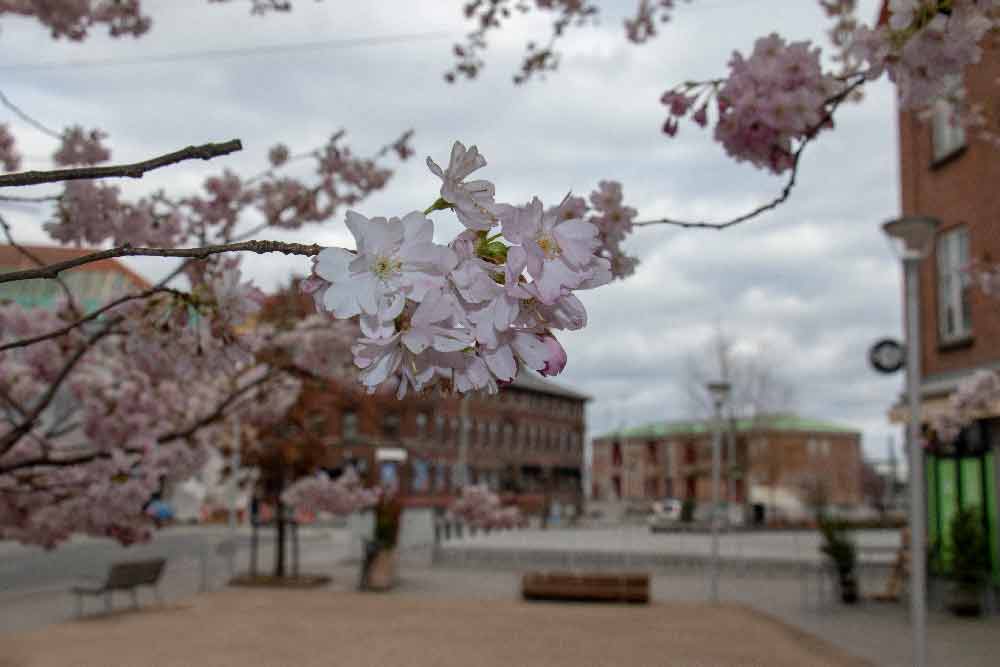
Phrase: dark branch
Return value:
(217, 414)
(259, 247)
(24, 342)
(28, 119)
(134, 170)
(11, 437)
(786, 191)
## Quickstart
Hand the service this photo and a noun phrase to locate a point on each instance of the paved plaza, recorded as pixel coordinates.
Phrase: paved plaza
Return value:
(249, 628)
(877, 634)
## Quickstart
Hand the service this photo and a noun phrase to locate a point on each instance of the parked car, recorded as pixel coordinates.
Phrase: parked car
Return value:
(666, 514)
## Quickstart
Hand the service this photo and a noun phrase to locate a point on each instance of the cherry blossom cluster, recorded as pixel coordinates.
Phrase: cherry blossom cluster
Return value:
(320, 493)
(91, 212)
(489, 16)
(477, 506)
(73, 20)
(613, 221)
(469, 315)
(976, 396)
(143, 405)
(648, 14)
(771, 102)
(10, 158)
(926, 45)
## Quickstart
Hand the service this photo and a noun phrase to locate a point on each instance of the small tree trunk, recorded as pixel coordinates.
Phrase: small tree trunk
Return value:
(279, 543)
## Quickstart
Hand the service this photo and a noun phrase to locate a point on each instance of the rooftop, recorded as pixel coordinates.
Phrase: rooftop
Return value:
(528, 381)
(92, 283)
(786, 423)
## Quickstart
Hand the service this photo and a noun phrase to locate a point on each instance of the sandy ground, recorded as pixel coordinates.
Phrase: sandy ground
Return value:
(249, 627)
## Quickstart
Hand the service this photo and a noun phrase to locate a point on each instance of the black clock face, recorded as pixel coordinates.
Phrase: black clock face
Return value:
(887, 356)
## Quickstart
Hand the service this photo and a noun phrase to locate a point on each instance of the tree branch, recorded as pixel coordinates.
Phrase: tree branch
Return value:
(786, 191)
(217, 414)
(24, 342)
(134, 170)
(10, 438)
(260, 247)
(28, 119)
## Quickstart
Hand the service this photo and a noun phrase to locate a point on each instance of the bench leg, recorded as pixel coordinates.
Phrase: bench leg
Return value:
(135, 598)
(107, 602)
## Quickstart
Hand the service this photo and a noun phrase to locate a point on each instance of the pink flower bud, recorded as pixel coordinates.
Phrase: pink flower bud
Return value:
(555, 360)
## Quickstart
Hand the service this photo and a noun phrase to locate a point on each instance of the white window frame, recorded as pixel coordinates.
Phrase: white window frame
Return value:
(947, 135)
(954, 310)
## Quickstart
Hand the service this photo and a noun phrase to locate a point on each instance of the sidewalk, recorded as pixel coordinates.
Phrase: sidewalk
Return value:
(273, 628)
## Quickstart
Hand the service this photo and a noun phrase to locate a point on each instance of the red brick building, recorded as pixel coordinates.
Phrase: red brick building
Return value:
(526, 441)
(776, 461)
(954, 176)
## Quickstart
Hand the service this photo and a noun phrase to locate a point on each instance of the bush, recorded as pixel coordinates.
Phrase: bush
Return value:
(687, 510)
(969, 555)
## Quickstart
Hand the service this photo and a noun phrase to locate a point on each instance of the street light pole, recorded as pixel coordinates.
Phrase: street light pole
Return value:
(918, 540)
(718, 391)
(913, 238)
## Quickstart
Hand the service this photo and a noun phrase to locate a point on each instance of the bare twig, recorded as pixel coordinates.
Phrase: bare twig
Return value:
(29, 200)
(134, 170)
(786, 191)
(259, 247)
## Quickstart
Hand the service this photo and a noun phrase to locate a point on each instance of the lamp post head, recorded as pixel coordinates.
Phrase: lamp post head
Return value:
(912, 236)
(719, 391)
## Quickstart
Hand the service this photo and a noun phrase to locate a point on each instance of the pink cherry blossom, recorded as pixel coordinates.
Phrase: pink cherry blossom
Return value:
(472, 200)
(9, 156)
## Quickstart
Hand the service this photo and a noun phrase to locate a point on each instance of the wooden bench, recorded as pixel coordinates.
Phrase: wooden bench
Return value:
(127, 576)
(586, 587)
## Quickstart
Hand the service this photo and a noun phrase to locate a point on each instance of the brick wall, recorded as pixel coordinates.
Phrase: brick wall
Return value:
(961, 190)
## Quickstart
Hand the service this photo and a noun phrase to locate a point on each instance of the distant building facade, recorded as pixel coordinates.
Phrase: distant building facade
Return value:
(779, 462)
(92, 284)
(526, 442)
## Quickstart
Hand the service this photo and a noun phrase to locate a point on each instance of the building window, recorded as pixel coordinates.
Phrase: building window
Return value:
(651, 457)
(616, 454)
(947, 134)
(349, 424)
(422, 424)
(440, 477)
(439, 428)
(421, 476)
(954, 313)
(390, 425)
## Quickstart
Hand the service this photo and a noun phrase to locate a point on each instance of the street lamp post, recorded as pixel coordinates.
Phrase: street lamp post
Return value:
(912, 239)
(719, 391)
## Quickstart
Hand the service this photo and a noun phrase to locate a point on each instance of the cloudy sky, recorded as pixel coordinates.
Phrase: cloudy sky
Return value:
(814, 282)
